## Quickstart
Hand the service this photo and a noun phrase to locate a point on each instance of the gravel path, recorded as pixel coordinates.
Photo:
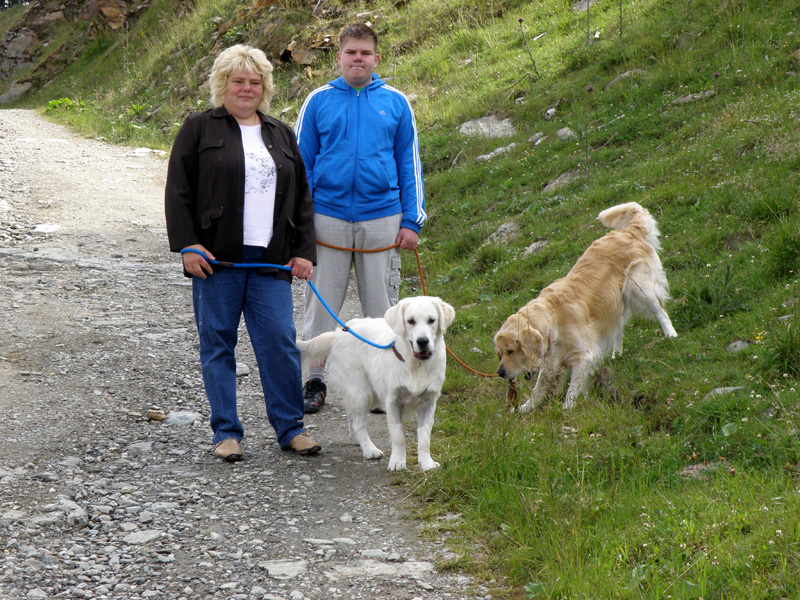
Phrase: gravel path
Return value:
(108, 486)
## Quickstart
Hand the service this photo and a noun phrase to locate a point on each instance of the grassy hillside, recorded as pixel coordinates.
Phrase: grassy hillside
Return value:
(653, 487)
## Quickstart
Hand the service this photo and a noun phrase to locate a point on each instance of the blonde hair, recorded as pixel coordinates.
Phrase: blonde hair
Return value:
(241, 58)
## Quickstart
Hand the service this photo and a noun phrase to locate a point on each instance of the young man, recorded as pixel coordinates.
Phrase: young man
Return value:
(358, 138)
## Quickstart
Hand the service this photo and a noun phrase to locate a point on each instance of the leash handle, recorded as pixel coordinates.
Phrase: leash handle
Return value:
(313, 287)
(240, 265)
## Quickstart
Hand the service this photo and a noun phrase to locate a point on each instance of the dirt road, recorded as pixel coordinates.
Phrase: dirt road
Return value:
(99, 501)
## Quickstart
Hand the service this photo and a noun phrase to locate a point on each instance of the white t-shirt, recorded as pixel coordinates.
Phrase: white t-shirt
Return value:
(260, 177)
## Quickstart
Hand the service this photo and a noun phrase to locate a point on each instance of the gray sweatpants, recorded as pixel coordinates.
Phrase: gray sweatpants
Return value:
(377, 273)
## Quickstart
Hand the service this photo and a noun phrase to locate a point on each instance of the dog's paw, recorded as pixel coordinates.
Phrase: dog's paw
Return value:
(527, 407)
(427, 465)
(397, 465)
(373, 453)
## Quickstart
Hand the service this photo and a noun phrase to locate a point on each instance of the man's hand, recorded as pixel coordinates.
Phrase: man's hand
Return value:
(407, 238)
(195, 264)
(301, 267)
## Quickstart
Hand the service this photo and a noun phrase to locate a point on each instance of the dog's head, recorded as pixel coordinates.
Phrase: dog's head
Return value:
(520, 347)
(421, 321)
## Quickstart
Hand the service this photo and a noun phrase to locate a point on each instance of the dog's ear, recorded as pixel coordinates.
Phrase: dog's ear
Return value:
(447, 314)
(502, 340)
(395, 317)
(531, 342)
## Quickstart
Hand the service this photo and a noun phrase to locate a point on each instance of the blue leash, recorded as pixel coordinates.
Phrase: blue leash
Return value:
(313, 288)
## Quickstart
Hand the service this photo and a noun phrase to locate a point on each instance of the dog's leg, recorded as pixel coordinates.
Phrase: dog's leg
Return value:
(616, 349)
(647, 290)
(666, 324)
(540, 391)
(394, 422)
(357, 423)
(425, 412)
(578, 383)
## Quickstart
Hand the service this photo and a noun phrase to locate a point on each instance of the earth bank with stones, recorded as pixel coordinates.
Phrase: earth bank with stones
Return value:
(108, 486)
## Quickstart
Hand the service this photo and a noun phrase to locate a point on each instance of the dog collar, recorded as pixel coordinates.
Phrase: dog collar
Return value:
(397, 354)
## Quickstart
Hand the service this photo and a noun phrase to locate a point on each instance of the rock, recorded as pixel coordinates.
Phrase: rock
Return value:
(12, 516)
(537, 138)
(488, 127)
(738, 346)
(242, 370)
(142, 537)
(15, 91)
(620, 78)
(182, 417)
(300, 53)
(284, 569)
(582, 5)
(561, 181)
(565, 133)
(503, 234)
(723, 391)
(534, 248)
(155, 415)
(113, 11)
(496, 152)
(695, 97)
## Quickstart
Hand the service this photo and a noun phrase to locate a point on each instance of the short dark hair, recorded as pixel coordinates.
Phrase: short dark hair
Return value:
(359, 31)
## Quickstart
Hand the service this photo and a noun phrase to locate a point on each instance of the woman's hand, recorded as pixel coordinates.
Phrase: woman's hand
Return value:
(301, 267)
(195, 264)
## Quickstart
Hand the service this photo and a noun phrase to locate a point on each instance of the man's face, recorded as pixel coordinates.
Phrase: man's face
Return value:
(357, 59)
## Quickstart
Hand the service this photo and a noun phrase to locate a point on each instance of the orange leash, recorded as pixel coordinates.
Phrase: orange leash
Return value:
(424, 291)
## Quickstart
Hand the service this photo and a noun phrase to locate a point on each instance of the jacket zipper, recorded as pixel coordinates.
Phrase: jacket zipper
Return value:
(355, 164)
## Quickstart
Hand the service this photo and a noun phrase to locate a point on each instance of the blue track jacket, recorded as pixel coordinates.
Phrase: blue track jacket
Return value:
(361, 153)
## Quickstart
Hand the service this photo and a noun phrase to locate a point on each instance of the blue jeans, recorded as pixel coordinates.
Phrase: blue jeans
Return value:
(266, 302)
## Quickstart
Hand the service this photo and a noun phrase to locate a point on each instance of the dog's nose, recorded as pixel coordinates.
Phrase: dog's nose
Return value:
(422, 342)
(501, 372)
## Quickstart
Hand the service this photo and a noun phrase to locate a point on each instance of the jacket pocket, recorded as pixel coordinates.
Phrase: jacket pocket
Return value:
(209, 152)
(207, 224)
(332, 177)
(375, 177)
(207, 218)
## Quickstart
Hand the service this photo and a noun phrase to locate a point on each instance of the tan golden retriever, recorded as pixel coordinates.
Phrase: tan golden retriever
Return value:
(576, 320)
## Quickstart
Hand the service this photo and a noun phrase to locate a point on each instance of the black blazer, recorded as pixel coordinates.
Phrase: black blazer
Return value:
(204, 195)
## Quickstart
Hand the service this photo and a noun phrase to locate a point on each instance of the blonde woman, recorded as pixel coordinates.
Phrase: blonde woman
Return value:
(237, 192)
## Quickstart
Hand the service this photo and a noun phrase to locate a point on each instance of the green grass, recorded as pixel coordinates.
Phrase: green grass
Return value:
(652, 487)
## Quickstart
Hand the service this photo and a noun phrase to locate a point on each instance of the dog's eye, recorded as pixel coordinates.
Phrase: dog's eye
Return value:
(431, 321)
(412, 322)
(509, 352)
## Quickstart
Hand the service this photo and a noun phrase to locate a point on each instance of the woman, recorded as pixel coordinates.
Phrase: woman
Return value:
(237, 192)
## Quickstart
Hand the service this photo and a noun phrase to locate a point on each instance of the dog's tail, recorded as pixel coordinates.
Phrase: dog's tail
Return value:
(632, 214)
(315, 351)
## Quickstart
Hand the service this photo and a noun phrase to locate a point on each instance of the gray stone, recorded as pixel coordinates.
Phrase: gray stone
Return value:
(622, 77)
(496, 152)
(566, 133)
(488, 127)
(503, 234)
(182, 417)
(723, 391)
(284, 569)
(738, 346)
(143, 537)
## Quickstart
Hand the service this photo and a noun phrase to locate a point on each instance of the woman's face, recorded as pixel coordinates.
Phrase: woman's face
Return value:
(243, 94)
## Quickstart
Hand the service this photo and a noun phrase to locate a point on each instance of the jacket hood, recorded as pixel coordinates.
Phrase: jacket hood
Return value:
(340, 84)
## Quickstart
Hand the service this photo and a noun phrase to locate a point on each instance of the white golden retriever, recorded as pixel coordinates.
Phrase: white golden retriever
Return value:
(367, 377)
(578, 319)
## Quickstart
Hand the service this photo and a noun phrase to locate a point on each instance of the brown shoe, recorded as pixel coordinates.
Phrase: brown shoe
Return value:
(304, 444)
(228, 450)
